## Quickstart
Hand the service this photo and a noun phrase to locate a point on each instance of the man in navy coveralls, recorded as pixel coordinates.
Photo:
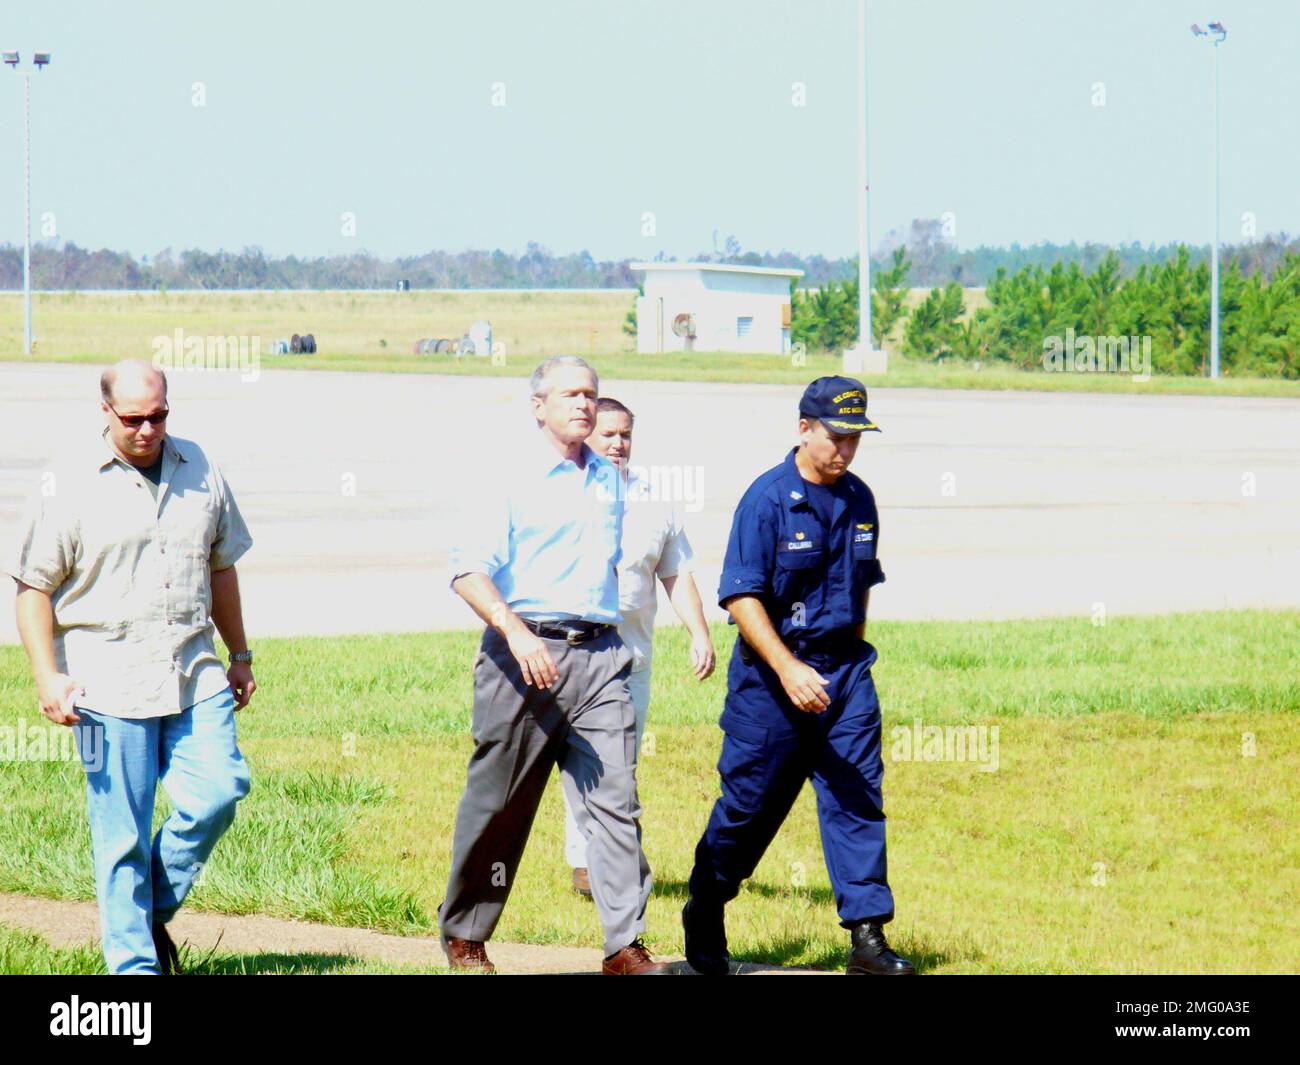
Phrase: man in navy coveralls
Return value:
(800, 702)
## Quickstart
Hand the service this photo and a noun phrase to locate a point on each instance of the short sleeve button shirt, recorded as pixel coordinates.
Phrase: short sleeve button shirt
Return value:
(129, 576)
(812, 576)
(655, 548)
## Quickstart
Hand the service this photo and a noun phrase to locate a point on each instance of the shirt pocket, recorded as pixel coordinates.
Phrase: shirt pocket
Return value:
(193, 603)
(864, 550)
(862, 535)
(803, 558)
(797, 570)
(188, 531)
(866, 570)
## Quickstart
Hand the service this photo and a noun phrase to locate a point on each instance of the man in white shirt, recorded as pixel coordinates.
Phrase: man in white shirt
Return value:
(654, 547)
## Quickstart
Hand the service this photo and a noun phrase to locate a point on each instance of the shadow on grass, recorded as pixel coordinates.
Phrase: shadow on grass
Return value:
(269, 963)
(818, 895)
(925, 953)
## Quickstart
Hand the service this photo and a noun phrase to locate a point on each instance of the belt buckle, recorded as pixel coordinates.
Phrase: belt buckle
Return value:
(573, 636)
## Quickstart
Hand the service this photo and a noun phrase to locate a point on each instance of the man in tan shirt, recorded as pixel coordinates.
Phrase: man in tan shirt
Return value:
(125, 562)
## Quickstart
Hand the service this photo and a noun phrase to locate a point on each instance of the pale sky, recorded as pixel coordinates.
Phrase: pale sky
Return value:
(679, 107)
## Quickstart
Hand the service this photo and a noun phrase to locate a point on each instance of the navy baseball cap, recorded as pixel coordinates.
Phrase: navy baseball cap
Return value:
(840, 403)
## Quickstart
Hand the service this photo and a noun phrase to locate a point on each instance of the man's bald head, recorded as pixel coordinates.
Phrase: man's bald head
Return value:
(133, 397)
(134, 375)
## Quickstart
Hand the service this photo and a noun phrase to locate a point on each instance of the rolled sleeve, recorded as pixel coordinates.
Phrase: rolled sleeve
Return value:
(233, 539)
(45, 551)
(876, 575)
(677, 556)
(484, 544)
(751, 551)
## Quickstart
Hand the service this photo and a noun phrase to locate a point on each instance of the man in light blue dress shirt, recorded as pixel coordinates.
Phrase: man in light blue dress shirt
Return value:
(537, 563)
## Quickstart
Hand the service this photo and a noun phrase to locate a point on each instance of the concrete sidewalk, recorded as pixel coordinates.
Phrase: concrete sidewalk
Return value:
(67, 924)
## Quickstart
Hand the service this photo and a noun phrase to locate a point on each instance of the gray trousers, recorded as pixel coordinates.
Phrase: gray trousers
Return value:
(586, 724)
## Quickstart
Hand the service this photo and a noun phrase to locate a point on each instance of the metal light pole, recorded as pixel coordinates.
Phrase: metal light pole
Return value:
(1217, 34)
(854, 358)
(40, 60)
(864, 191)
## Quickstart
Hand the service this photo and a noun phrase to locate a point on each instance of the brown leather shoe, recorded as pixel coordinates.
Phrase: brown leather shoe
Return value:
(634, 960)
(467, 955)
(582, 882)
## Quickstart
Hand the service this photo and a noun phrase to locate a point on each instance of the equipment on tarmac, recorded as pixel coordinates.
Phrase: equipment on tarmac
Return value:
(476, 341)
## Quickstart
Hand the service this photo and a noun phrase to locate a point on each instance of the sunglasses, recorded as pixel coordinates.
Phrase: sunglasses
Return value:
(134, 421)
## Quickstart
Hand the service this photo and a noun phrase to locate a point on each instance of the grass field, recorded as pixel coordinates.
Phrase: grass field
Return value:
(1141, 817)
(375, 331)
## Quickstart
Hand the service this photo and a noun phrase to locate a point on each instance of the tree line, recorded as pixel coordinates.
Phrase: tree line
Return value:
(1037, 310)
(933, 259)
(68, 266)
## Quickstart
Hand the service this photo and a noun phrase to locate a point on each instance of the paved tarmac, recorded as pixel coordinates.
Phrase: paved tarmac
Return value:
(993, 504)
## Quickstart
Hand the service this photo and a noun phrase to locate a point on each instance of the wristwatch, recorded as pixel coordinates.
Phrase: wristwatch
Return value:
(242, 656)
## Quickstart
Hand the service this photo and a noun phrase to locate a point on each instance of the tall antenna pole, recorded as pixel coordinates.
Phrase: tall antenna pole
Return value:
(1214, 261)
(864, 226)
(27, 213)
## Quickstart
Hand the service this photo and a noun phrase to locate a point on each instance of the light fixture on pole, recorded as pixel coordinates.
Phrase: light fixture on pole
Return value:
(863, 359)
(40, 60)
(1216, 34)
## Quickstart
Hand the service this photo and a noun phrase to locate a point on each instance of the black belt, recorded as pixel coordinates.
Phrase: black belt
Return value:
(574, 632)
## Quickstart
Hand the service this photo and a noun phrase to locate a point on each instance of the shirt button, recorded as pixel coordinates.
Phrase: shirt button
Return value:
(167, 584)
(737, 580)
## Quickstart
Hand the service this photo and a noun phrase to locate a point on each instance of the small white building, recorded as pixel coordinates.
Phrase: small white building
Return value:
(709, 307)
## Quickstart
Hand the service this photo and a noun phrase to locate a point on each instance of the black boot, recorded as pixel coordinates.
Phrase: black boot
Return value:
(169, 960)
(706, 938)
(871, 955)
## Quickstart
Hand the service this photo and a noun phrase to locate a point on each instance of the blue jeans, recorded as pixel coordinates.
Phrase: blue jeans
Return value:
(195, 755)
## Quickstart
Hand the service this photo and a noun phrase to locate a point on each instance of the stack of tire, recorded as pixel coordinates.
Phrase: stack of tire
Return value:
(444, 346)
(302, 345)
